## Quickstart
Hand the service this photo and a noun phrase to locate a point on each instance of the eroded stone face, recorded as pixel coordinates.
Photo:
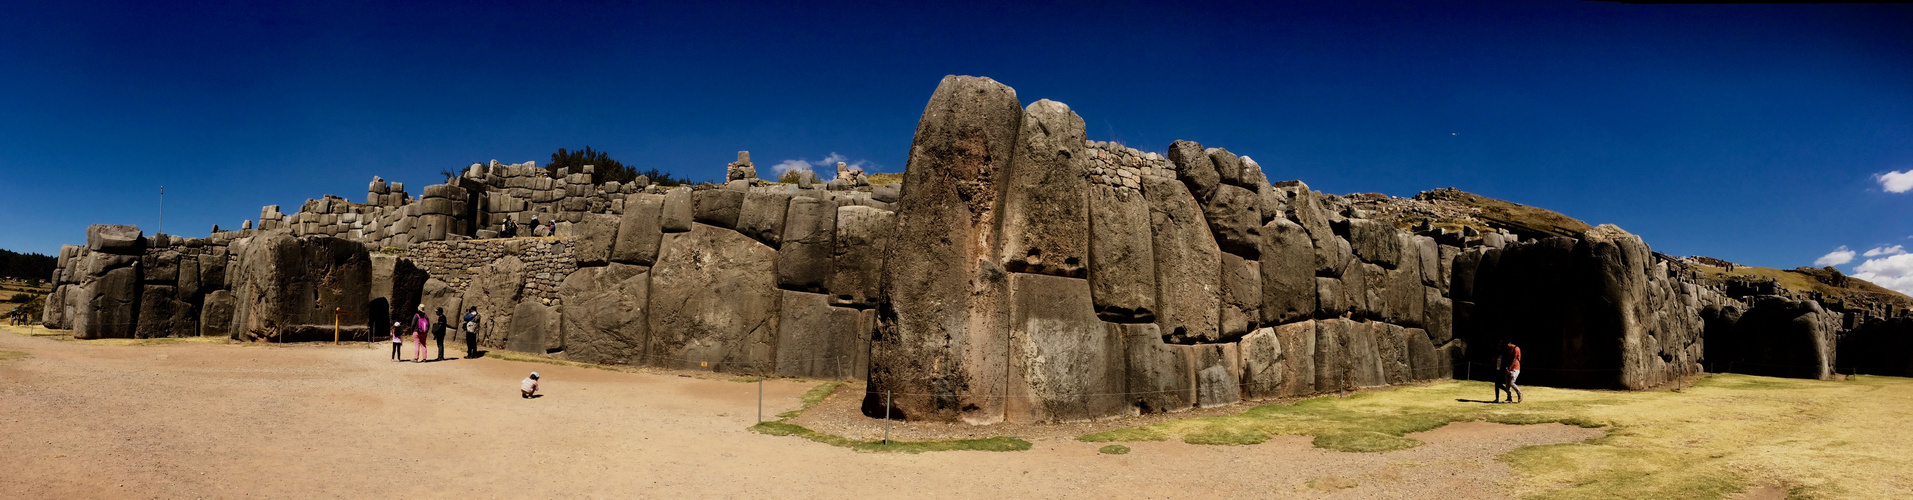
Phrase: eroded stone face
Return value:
(714, 303)
(1064, 363)
(1046, 213)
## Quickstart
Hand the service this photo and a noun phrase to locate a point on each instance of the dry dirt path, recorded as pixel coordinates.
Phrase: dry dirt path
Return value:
(222, 421)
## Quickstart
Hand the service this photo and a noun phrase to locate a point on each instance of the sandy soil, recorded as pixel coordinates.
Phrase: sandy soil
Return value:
(312, 420)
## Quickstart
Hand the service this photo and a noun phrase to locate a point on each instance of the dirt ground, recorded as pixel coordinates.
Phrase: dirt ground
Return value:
(314, 420)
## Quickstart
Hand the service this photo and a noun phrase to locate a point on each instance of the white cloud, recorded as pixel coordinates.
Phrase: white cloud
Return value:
(1896, 182)
(1884, 250)
(789, 165)
(1894, 272)
(828, 165)
(1837, 257)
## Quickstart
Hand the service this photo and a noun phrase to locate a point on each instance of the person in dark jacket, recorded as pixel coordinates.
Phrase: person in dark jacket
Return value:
(438, 331)
(471, 332)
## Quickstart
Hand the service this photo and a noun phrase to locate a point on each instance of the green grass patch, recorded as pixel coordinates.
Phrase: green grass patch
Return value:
(11, 355)
(1711, 440)
(812, 397)
(1114, 449)
(1364, 442)
(999, 443)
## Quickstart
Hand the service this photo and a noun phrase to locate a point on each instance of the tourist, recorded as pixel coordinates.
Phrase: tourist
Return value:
(438, 331)
(419, 326)
(396, 343)
(528, 388)
(1511, 355)
(471, 332)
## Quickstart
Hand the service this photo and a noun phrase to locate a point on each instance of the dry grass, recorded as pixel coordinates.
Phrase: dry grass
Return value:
(886, 179)
(12, 355)
(1799, 282)
(1819, 439)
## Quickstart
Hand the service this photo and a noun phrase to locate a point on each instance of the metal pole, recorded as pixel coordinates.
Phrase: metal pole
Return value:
(760, 400)
(162, 210)
(1471, 369)
(886, 417)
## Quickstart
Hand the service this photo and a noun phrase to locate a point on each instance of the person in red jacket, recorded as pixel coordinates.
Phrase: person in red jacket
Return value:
(1511, 356)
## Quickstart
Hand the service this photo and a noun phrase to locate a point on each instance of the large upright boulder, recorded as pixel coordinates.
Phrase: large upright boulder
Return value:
(1235, 220)
(939, 340)
(1288, 273)
(291, 283)
(679, 210)
(496, 290)
(215, 316)
(1161, 376)
(1194, 169)
(1122, 262)
(162, 314)
(123, 239)
(1241, 297)
(640, 230)
(1045, 228)
(717, 207)
(714, 303)
(803, 261)
(862, 240)
(816, 340)
(1064, 364)
(762, 215)
(534, 329)
(1187, 259)
(605, 314)
(595, 237)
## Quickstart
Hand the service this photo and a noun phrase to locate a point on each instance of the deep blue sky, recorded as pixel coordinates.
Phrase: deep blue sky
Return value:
(1748, 132)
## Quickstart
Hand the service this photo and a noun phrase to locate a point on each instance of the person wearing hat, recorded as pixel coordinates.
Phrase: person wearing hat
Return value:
(419, 326)
(528, 388)
(438, 331)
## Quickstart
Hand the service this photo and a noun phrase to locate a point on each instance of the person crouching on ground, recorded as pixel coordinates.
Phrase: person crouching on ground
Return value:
(528, 387)
(397, 343)
(1510, 354)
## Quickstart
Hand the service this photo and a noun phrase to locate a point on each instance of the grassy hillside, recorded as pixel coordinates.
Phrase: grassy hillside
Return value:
(1539, 218)
(1855, 293)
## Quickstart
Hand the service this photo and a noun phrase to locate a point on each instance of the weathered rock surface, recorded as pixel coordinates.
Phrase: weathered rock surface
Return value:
(535, 329)
(816, 340)
(762, 216)
(1122, 263)
(120, 239)
(715, 303)
(1234, 220)
(1188, 305)
(1064, 364)
(215, 317)
(595, 237)
(1241, 297)
(1161, 376)
(936, 335)
(862, 239)
(804, 261)
(679, 210)
(605, 314)
(717, 207)
(640, 230)
(1288, 273)
(1045, 228)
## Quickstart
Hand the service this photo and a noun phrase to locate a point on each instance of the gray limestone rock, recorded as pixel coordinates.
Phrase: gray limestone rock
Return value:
(215, 316)
(679, 213)
(939, 336)
(496, 290)
(1122, 263)
(605, 314)
(1288, 273)
(1375, 241)
(535, 329)
(1228, 166)
(1188, 305)
(1241, 297)
(1298, 358)
(1045, 218)
(1218, 375)
(815, 340)
(1193, 168)
(162, 314)
(640, 230)
(804, 260)
(1438, 315)
(1161, 376)
(862, 239)
(1424, 362)
(762, 216)
(285, 283)
(1234, 220)
(594, 239)
(1065, 365)
(718, 207)
(120, 239)
(714, 303)
(1263, 366)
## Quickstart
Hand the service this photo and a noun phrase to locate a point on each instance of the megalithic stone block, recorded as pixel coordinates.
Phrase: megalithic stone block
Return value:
(1288, 273)
(940, 340)
(1046, 215)
(1122, 262)
(639, 230)
(1065, 365)
(862, 240)
(1161, 375)
(1187, 259)
(804, 260)
(679, 213)
(762, 216)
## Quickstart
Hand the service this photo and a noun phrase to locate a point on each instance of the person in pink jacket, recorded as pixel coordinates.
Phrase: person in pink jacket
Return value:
(419, 326)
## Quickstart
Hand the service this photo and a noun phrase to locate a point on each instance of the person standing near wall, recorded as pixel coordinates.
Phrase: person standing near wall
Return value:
(1511, 355)
(471, 332)
(419, 327)
(438, 331)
